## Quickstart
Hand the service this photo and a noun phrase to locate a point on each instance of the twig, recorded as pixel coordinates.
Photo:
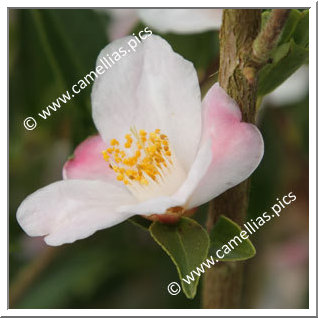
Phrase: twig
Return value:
(269, 36)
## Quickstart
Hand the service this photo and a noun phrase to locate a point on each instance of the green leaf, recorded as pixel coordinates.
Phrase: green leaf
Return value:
(280, 52)
(301, 35)
(290, 26)
(187, 244)
(285, 64)
(224, 235)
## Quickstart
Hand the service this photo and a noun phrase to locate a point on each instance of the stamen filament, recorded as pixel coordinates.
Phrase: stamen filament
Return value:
(144, 162)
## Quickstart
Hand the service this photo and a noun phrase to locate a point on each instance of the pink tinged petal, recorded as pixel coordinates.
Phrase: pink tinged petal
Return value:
(66, 211)
(88, 161)
(150, 88)
(182, 20)
(237, 147)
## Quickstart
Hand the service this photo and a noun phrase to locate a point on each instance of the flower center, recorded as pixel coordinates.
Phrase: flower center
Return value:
(146, 164)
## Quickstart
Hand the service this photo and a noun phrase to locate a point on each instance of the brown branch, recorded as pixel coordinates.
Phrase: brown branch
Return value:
(223, 283)
(243, 51)
(238, 32)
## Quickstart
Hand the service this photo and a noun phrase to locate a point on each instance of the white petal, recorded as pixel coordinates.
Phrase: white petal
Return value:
(69, 210)
(150, 88)
(182, 20)
(157, 205)
(196, 173)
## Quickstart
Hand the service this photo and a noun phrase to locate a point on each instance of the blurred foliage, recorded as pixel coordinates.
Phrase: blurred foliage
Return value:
(120, 267)
(201, 49)
(291, 53)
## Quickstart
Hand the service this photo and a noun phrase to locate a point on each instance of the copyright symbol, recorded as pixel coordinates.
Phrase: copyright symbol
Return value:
(29, 123)
(174, 288)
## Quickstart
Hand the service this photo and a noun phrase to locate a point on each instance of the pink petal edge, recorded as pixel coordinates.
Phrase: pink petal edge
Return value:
(237, 147)
(88, 161)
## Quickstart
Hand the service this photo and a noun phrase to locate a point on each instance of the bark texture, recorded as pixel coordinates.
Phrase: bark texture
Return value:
(237, 75)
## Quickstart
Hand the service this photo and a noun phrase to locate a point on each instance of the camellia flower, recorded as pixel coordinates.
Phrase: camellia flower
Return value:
(180, 21)
(160, 151)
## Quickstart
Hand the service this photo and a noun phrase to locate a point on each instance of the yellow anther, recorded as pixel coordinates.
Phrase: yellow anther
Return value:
(114, 142)
(153, 136)
(129, 172)
(159, 159)
(115, 168)
(165, 143)
(105, 155)
(152, 149)
(144, 162)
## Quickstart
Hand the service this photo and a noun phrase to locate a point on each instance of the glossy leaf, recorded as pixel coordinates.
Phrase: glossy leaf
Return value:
(187, 244)
(226, 234)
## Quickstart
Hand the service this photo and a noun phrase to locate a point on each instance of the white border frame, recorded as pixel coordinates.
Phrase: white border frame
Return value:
(159, 312)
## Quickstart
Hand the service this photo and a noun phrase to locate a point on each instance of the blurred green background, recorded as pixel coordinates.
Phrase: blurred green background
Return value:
(121, 267)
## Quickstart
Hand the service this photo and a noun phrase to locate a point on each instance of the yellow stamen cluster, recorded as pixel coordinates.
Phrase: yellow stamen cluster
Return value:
(144, 158)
